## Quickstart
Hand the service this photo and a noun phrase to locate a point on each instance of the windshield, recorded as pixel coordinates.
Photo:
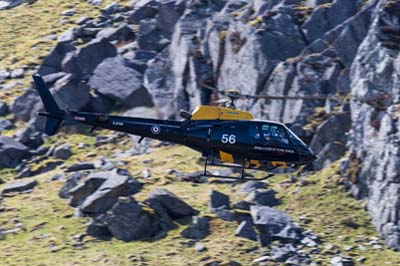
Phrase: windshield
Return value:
(293, 138)
(274, 133)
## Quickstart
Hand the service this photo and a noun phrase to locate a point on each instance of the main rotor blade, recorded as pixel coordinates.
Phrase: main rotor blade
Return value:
(293, 97)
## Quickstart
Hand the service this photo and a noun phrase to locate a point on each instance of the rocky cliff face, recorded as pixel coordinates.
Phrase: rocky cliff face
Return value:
(374, 141)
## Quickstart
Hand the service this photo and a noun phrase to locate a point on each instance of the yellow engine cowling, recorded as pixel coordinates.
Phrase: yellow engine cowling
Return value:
(219, 113)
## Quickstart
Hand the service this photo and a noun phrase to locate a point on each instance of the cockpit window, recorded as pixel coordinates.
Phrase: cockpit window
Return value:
(274, 133)
(294, 139)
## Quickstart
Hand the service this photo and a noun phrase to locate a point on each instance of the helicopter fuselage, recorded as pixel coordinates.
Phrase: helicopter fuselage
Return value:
(258, 144)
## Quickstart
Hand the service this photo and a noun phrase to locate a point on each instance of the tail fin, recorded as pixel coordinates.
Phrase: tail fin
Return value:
(54, 115)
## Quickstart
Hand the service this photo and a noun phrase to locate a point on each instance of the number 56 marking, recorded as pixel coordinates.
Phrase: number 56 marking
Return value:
(226, 138)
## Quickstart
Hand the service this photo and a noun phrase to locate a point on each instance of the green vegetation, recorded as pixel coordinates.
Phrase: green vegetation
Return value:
(50, 228)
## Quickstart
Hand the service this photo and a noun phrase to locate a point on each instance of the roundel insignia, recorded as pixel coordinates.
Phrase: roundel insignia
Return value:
(155, 130)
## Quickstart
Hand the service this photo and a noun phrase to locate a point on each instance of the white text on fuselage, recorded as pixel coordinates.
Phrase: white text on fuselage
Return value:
(259, 148)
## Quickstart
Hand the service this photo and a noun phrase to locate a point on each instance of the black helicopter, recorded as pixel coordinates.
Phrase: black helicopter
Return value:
(225, 136)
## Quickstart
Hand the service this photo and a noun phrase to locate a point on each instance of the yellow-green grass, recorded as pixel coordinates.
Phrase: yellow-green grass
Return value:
(323, 200)
(23, 28)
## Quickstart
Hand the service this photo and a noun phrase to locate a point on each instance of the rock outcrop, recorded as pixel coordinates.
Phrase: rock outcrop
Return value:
(374, 139)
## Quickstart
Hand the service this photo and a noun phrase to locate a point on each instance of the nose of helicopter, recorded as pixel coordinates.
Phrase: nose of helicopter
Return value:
(307, 155)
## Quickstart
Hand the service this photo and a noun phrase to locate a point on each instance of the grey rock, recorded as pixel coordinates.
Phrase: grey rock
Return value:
(325, 18)
(111, 9)
(175, 207)
(128, 221)
(8, 4)
(252, 185)
(31, 136)
(98, 228)
(116, 185)
(150, 37)
(264, 197)
(84, 61)
(281, 254)
(198, 229)
(143, 9)
(6, 124)
(241, 205)
(123, 33)
(11, 152)
(80, 192)
(218, 200)
(17, 73)
(52, 63)
(71, 93)
(46, 167)
(95, 2)
(200, 247)
(20, 186)
(67, 36)
(373, 138)
(63, 152)
(4, 74)
(68, 12)
(71, 182)
(159, 80)
(26, 104)
(224, 214)
(114, 79)
(273, 224)
(80, 166)
(341, 261)
(246, 230)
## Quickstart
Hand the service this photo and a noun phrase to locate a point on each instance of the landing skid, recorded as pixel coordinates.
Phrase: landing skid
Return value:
(242, 176)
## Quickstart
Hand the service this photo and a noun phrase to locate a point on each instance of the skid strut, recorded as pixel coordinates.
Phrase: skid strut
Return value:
(242, 176)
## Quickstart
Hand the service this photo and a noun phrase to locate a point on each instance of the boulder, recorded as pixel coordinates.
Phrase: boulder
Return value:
(80, 167)
(143, 9)
(161, 212)
(71, 182)
(218, 200)
(6, 124)
(52, 63)
(62, 152)
(176, 208)
(31, 136)
(21, 186)
(246, 230)
(98, 228)
(116, 80)
(128, 221)
(150, 37)
(252, 185)
(4, 110)
(17, 73)
(4, 74)
(273, 224)
(80, 192)
(84, 61)
(198, 229)
(116, 185)
(11, 152)
(24, 106)
(263, 197)
(224, 214)
(71, 93)
(122, 33)
(159, 80)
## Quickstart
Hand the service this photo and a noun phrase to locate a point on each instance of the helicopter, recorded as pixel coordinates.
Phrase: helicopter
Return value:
(225, 136)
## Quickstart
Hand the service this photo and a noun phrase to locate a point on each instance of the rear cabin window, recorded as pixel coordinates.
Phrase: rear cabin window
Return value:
(274, 134)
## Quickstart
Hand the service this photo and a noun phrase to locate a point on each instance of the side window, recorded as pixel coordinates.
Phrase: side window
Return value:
(274, 133)
(254, 132)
